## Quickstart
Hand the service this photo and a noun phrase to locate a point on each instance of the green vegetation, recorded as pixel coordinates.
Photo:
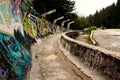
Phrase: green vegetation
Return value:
(63, 8)
(108, 17)
(89, 29)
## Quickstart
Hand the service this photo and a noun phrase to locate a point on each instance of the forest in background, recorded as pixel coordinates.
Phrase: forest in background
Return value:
(108, 17)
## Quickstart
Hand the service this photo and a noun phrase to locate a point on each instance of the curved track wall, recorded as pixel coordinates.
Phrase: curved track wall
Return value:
(104, 61)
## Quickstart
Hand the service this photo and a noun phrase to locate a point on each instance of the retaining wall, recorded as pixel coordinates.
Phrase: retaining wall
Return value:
(104, 61)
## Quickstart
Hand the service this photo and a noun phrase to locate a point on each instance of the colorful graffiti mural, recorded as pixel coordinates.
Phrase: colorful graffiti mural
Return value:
(43, 26)
(15, 59)
(30, 27)
(10, 16)
(19, 27)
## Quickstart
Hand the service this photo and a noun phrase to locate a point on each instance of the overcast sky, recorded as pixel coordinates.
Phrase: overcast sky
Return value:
(86, 7)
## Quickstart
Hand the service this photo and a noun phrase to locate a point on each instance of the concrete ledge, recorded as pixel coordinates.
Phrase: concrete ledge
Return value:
(105, 51)
(105, 61)
(80, 65)
(92, 38)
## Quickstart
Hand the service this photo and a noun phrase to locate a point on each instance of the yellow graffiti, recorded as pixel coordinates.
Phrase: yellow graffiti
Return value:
(29, 27)
(43, 26)
(6, 2)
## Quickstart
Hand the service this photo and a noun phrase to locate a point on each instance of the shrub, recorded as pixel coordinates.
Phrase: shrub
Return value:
(89, 29)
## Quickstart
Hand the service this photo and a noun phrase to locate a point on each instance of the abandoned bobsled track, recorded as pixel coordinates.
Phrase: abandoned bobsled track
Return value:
(49, 63)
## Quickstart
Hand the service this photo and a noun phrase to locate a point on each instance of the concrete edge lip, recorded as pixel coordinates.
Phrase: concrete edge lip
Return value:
(103, 50)
(85, 69)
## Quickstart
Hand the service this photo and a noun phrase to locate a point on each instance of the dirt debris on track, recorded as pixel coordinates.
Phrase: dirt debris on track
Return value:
(49, 63)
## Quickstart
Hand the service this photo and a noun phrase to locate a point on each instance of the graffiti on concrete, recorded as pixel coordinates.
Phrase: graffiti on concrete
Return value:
(30, 27)
(10, 16)
(16, 16)
(15, 59)
(15, 5)
(3, 73)
(18, 27)
(4, 17)
(42, 27)
(36, 26)
(15, 56)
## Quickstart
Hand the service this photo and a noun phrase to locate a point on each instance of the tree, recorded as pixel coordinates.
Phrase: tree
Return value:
(108, 17)
(80, 23)
(63, 7)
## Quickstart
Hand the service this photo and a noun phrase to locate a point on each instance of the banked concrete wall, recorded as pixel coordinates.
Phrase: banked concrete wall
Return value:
(104, 61)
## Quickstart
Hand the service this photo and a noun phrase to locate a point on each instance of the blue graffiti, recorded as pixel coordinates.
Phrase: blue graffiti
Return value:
(16, 56)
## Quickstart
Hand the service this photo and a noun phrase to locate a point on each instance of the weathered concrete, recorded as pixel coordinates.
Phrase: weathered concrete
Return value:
(49, 63)
(104, 61)
(109, 39)
(92, 73)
